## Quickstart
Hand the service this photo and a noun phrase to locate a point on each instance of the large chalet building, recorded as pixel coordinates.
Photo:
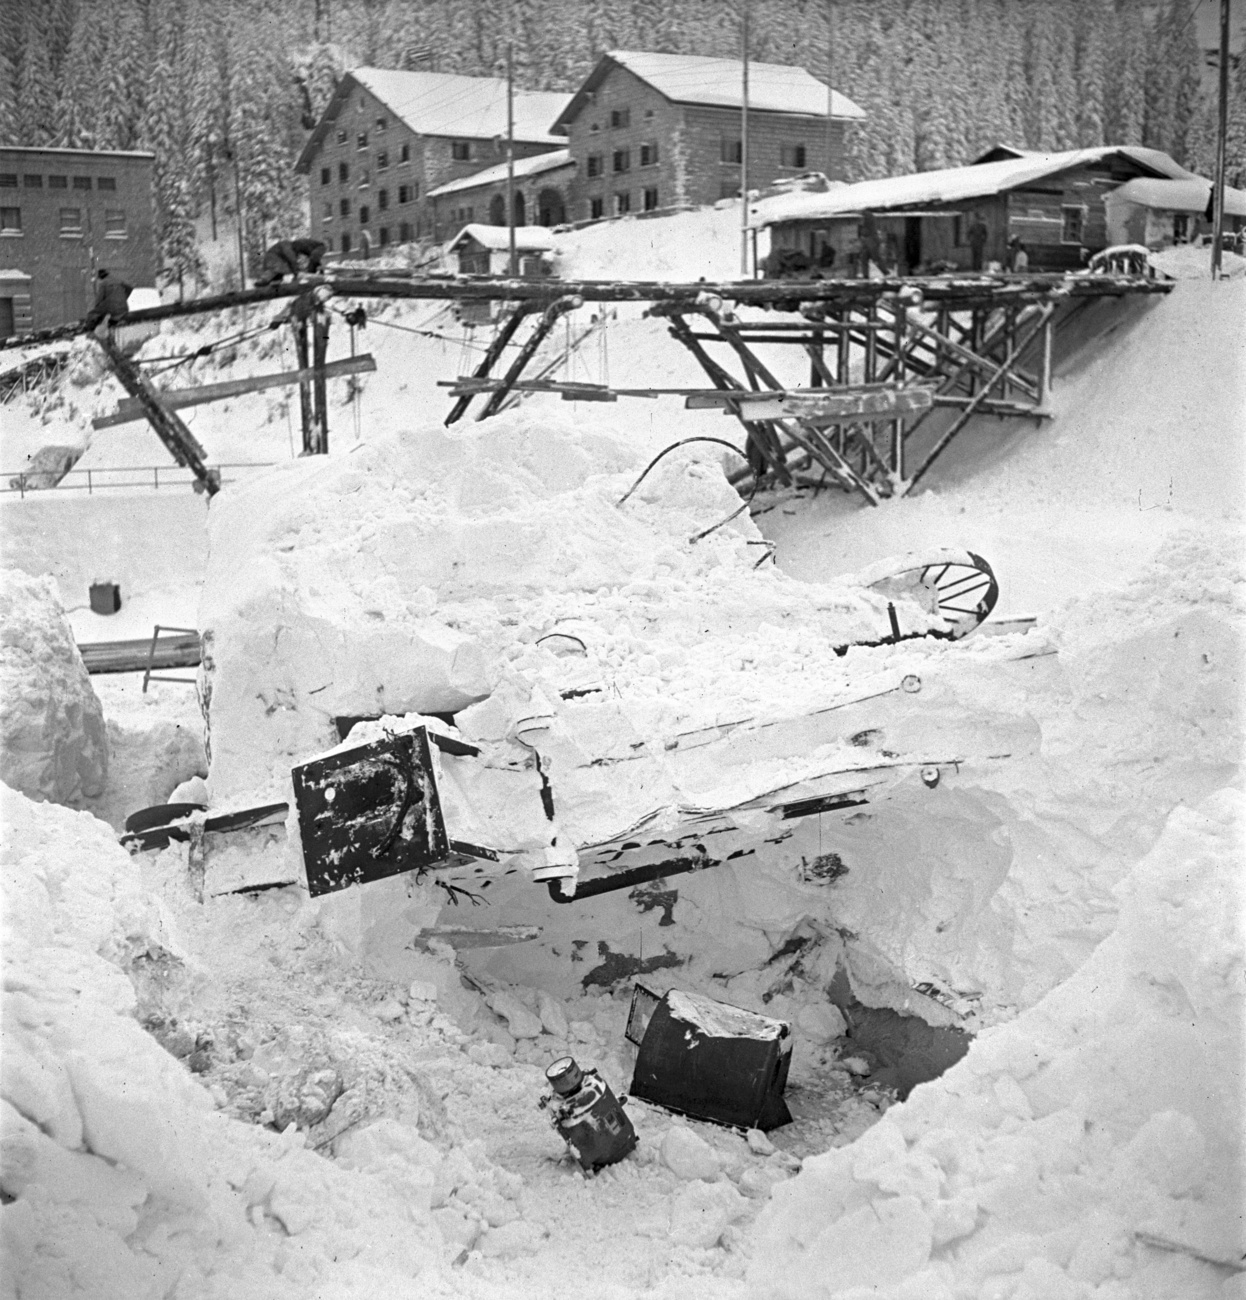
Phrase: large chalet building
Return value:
(387, 138)
(64, 215)
(656, 131)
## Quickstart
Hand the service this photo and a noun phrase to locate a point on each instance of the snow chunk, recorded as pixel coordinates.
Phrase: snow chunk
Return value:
(688, 1155)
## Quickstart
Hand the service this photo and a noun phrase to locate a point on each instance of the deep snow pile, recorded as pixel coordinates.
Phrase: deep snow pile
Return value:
(1185, 262)
(1092, 1146)
(52, 740)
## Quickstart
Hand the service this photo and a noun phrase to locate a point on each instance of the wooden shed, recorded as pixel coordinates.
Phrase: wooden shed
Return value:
(485, 250)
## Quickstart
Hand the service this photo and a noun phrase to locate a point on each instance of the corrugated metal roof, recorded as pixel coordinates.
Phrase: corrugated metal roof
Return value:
(1188, 195)
(443, 103)
(528, 239)
(951, 184)
(695, 79)
(534, 166)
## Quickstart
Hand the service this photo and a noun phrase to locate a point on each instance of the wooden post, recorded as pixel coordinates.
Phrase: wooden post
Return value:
(494, 351)
(1043, 405)
(549, 318)
(320, 348)
(298, 324)
(816, 366)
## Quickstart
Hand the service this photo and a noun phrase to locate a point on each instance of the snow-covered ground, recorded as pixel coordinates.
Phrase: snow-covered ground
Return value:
(272, 1095)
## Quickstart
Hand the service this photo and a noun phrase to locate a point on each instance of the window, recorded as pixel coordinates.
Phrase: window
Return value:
(364, 179)
(622, 160)
(648, 114)
(364, 215)
(792, 155)
(71, 221)
(344, 207)
(622, 204)
(361, 106)
(382, 160)
(404, 194)
(58, 182)
(341, 137)
(596, 126)
(404, 232)
(82, 182)
(327, 212)
(958, 231)
(114, 223)
(1073, 218)
(461, 150)
(1181, 227)
(382, 236)
(620, 117)
(596, 208)
(11, 221)
(651, 198)
(382, 124)
(649, 154)
(326, 175)
(33, 182)
(404, 154)
(345, 241)
(382, 199)
(361, 140)
(343, 173)
(730, 151)
(8, 180)
(593, 165)
(107, 183)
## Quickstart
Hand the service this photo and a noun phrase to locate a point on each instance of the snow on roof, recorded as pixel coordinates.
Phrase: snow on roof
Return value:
(693, 79)
(951, 184)
(443, 103)
(1183, 195)
(14, 274)
(537, 165)
(528, 239)
(77, 153)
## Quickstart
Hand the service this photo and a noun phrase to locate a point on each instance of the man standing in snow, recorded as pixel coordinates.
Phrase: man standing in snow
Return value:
(975, 237)
(112, 301)
(282, 259)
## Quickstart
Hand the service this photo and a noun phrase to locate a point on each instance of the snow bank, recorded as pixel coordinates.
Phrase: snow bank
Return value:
(52, 738)
(1094, 1143)
(1185, 262)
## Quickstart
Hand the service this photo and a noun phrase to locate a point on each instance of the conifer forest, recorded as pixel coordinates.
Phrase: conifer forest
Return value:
(219, 89)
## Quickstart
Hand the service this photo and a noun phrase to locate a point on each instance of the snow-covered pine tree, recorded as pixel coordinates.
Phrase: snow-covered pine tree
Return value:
(36, 81)
(78, 104)
(1094, 22)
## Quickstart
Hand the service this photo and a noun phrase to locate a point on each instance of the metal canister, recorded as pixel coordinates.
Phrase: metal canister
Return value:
(587, 1115)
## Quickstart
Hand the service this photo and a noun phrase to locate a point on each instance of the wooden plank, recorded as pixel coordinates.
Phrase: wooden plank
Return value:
(129, 408)
(132, 656)
(842, 404)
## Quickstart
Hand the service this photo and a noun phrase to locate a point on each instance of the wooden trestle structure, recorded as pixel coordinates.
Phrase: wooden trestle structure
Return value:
(896, 368)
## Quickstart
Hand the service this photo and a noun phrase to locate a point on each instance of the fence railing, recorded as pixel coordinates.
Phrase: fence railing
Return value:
(101, 480)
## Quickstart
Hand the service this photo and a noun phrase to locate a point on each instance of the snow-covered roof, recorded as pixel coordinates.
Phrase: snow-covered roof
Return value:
(446, 104)
(1184, 195)
(528, 239)
(537, 165)
(14, 274)
(952, 184)
(694, 79)
(76, 153)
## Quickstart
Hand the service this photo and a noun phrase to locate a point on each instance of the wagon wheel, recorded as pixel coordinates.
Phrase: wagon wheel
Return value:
(959, 585)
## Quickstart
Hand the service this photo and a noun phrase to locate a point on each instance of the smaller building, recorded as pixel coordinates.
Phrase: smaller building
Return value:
(656, 131)
(485, 250)
(1160, 213)
(64, 215)
(541, 185)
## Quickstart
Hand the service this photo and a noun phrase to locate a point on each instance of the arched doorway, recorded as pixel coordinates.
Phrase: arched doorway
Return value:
(551, 207)
(497, 211)
(519, 208)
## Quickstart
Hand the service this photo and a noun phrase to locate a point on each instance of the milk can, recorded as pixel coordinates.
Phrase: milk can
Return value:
(587, 1115)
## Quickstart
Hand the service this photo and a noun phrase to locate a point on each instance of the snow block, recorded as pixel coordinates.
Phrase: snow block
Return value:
(53, 744)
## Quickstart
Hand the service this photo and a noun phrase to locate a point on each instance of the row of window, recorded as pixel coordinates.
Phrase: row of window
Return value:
(621, 203)
(404, 236)
(8, 180)
(382, 124)
(621, 160)
(619, 119)
(70, 222)
(406, 194)
(382, 164)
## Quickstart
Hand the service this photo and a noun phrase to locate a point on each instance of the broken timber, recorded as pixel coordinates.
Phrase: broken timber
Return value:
(182, 445)
(130, 409)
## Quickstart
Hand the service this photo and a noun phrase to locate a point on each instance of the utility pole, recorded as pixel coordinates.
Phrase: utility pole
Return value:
(510, 156)
(744, 140)
(830, 93)
(242, 256)
(1217, 228)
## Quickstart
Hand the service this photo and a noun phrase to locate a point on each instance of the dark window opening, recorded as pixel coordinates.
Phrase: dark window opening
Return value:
(731, 151)
(58, 182)
(344, 207)
(82, 182)
(382, 199)
(404, 154)
(361, 140)
(622, 204)
(328, 212)
(404, 194)
(792, 155)
(8, 180)
(651, 198)
(10, 219)
(596, 207)
(346, 241)
(620, 117)
(622, 160)
(326, 175)
(382, 236)
(461, 150)
(364, 214)
(106, 183)
(71, 221)
(593, 165)
(1073, 219)
(341, 137)
(649, 154)
(497, 211)
(382, 160)
(343, 173)
(35, 182)
(382, 123)
(114, 223)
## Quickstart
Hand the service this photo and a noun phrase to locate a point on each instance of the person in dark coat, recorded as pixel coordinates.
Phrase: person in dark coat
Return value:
(871, 245)
(112, 300)
(282, 259)
(975, 237)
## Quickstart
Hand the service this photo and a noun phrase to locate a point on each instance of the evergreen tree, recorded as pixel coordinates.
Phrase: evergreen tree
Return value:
(36, 83)
(1125, 96)
(1096, 20)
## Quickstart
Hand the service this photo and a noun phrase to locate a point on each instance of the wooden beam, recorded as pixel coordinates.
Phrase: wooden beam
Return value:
(130, 409)
(833, 405)
(492, 353)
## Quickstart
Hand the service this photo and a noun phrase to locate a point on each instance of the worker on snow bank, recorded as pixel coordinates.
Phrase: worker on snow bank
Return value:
(112, 301)
(282, 259)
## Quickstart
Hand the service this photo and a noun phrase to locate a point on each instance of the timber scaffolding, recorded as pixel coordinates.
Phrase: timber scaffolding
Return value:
(885, 357)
